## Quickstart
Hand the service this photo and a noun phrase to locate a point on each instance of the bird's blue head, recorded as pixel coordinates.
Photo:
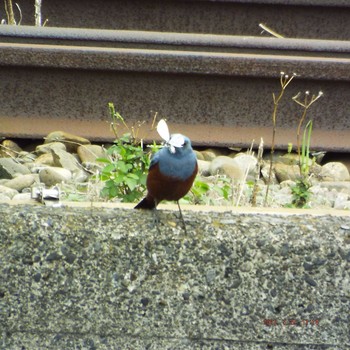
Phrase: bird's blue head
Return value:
(177, 159)
(179, 145)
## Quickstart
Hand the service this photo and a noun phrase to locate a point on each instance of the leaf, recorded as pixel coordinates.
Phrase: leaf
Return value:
(143, 179)
(131, 183)
(133, 176)
(103, 160)
(121, 166)
(108, 168)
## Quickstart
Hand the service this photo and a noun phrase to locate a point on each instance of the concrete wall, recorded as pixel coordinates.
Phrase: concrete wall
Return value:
(105, 278)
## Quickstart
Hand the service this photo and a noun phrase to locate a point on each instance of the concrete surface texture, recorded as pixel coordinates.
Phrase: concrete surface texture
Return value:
(107, 278)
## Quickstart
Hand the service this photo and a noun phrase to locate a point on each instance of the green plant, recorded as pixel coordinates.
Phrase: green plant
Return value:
(301, 193)
(304, 150)
(125, 170)
(198, 193)
(209, 193)
(223, 187)
(126, 164)
(301, 189)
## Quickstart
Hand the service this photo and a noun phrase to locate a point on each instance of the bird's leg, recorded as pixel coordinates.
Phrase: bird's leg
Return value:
(156, 217)
(181, 217)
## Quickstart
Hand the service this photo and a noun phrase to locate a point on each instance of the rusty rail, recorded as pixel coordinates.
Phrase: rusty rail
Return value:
(215, 88)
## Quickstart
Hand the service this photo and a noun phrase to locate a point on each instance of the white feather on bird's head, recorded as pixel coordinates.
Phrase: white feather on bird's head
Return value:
(171, 141)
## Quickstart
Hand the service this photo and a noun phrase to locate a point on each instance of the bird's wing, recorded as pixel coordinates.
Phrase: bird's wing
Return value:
(154, 160)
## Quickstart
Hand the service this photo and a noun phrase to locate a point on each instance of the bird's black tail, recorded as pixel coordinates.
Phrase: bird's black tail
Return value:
(146, 203)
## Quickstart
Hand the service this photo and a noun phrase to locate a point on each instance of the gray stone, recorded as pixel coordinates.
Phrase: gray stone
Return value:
(51, 176)
(22, 181)
(9, 149)
(27, 197)
(9, 168)
(26, 157)
(315, 171)
(72, 142)
(45, 159)
(208, 155)
(288, 159)
(287, 183)
(8, 192)
(47, 147)
(281, 197)
(65, 160)
(341, 201)
(89, 153)
(210, 276)
(265, 172)
(226, 166)
(246, 266)
(199, 155)
(203, 167)
(286, 172)
(80, 176)
(340, 186)
(4, 197)
(334, 171)
(246, 162)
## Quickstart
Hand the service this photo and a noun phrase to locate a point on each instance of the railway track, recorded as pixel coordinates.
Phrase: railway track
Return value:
(215, 88)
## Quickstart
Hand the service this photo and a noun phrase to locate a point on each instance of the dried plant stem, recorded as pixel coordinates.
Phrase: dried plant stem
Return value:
(244, 180)
(257, 175)
(9, 12)
(270, 31)
(306, 104)
(298, 130)
(37, 6)
(284, 81)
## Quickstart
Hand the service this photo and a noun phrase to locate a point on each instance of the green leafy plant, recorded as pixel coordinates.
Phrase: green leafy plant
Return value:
(125, 170)
(209, 193)
(305, 151)
(198, 193)
(126, 164)
(301, 193)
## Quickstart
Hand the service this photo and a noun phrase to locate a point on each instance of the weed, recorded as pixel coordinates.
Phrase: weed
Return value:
(304, 162)
(10, 15)
(125, 170)
(301, 193)
(304, 151)
(257, 173)
(209, 193)
(126, 164)
(285, 80)
(198, 193)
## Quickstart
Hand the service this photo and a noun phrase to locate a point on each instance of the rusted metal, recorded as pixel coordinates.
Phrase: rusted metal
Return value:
(318, 19)
(216, 89)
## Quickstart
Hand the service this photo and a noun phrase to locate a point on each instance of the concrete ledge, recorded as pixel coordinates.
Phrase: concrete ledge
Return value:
(105, 278)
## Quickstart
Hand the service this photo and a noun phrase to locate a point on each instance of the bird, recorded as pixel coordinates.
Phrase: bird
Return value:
(171, 173)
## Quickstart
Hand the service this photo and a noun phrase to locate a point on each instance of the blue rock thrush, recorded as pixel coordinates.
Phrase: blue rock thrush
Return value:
(171, 173)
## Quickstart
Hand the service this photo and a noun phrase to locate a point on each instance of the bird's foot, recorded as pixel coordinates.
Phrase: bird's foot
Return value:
(156, 219)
